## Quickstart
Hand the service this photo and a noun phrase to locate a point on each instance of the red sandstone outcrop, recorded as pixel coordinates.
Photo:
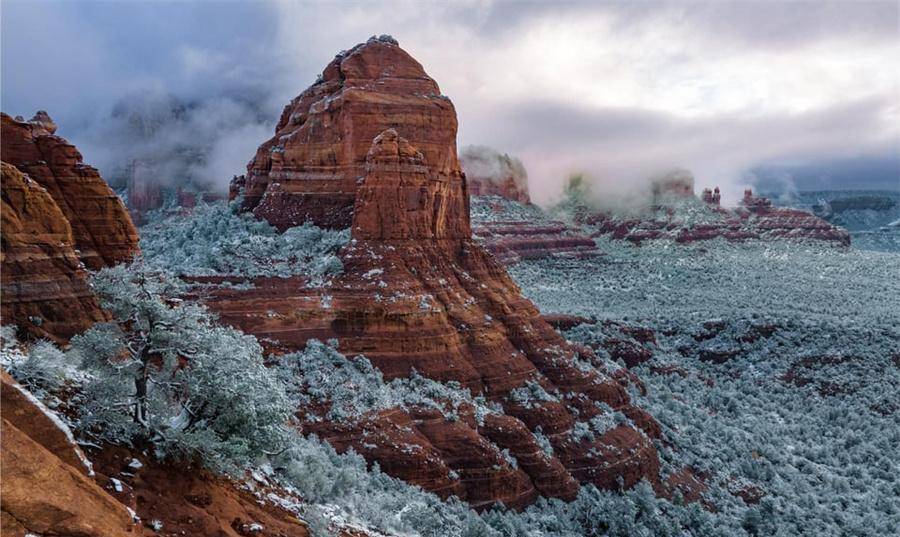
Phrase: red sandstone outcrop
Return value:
(45, 287)
(311, 168)
(103, 232)
(489, 172)
(46, 486)
(372, 145)
(513, 240)
(756, 218)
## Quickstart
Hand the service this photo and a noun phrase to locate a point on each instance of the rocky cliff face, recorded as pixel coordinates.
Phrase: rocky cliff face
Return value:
(311, 168)
(513, 231)
(103, 232)
(418, 294)
(45, 288)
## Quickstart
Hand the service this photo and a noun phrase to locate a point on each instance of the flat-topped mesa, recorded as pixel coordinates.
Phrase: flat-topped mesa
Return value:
(402, 197)
(312, 167)
(102, 229)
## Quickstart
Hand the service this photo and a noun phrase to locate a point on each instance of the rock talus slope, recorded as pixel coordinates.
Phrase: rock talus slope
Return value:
(418, 294)
(103, 232)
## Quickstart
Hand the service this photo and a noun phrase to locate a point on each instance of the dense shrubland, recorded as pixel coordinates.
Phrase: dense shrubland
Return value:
(775, 371)
(217, 240)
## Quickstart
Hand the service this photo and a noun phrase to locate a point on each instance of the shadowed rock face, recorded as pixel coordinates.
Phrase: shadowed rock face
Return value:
(418, 293)
(45, 288)
(103, 232)
(311, 168)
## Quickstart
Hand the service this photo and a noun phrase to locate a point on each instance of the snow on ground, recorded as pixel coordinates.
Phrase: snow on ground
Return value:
(777, 371)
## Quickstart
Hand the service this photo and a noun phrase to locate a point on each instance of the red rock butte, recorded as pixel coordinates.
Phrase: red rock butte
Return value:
(372, 146)
(311, 168)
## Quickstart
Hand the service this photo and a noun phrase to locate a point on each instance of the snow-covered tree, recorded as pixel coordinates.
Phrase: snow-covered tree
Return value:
(163, 372)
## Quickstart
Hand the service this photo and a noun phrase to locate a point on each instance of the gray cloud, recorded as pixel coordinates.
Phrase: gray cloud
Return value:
(616, 90)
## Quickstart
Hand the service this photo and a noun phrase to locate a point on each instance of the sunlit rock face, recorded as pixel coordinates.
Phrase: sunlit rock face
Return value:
(311, 168)
(419, 295)
(47, 488)
(45, 288)
(102, 229)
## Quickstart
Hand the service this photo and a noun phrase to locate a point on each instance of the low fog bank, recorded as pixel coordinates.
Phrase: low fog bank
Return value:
(619, 151)
(177, 142)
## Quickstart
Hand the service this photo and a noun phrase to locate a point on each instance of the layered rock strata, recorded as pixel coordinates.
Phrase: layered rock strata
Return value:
(45, 288)
(514, 240)
(418, 294)
(103, 232)
(311, 168)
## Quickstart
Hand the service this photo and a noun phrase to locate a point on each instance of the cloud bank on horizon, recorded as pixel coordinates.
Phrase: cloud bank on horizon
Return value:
(737, 92)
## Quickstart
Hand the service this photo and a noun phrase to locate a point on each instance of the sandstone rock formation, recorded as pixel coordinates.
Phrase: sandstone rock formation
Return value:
(311, 168)
(45, 288)
(188, 500)
(419, 294)
(513, 240)
(102, 229)
(46, 490)
(489, 172)
(690, 220)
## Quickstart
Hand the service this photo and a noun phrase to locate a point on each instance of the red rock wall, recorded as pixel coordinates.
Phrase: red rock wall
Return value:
(103, 231)
(756, 219)
(511, 241)
(45, 288)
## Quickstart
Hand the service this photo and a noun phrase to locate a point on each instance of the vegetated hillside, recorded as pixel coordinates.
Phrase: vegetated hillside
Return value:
(871, 216)
(773, 374)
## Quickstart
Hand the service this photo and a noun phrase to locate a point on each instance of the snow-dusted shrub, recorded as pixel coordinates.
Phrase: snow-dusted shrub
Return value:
(353, 386)
(43, 370)
(217, 240)
(531, 395)
(164, 372)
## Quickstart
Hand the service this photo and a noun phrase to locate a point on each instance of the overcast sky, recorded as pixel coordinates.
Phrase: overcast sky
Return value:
(618, 91)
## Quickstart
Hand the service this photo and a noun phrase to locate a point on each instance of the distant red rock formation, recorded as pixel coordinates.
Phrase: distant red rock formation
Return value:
(419, 294)
(489, 172)
(103, 232)
(712, 197)
(755, 218)
(679, 183)
(514, 240)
